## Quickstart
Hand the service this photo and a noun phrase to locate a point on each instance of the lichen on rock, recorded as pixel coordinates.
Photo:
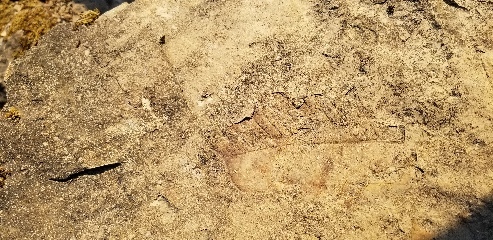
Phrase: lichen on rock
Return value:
(87, 18)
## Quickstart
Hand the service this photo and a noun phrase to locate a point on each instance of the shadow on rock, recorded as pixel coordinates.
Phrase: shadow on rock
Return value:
(102, 6)
(3, 95)
(478, 226)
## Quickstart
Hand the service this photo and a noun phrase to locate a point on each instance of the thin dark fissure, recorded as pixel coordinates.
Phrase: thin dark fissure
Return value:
(87, 171)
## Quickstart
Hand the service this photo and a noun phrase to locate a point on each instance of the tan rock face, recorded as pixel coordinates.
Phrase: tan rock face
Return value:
(254, 119)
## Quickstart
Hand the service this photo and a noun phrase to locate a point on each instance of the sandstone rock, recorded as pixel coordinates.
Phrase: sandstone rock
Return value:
(253, 119)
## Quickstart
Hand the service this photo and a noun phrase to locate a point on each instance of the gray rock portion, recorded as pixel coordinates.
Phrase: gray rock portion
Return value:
(252, 119)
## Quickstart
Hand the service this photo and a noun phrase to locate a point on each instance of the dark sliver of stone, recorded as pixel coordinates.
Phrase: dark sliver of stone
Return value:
(3, 96)
(454, 4)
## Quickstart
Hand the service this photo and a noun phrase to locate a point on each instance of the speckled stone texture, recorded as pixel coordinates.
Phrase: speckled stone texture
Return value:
(254, 120)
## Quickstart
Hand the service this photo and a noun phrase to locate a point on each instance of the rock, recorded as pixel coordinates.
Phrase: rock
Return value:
(255, 119)
(18, 7)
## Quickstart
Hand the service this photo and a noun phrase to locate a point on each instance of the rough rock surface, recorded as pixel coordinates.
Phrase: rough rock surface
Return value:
(254, 119)
(23, 22)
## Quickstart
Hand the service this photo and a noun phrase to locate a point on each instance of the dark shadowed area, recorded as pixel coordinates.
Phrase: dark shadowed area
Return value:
(476, 225)
(102, 5)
